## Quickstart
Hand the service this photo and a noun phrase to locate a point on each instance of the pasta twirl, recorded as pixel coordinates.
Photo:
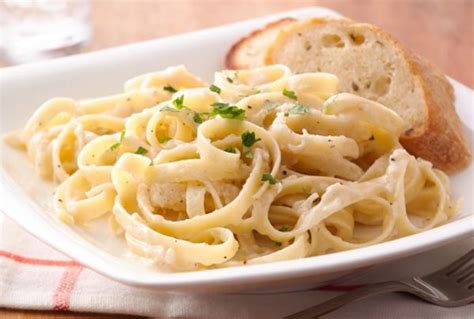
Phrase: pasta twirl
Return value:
(262, 166)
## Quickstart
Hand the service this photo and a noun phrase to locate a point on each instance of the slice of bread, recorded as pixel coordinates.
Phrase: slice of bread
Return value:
(371, 63)
(249, 52)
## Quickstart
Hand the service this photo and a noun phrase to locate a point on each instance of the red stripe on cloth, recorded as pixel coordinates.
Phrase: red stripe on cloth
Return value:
(62, 295)
(38, 261)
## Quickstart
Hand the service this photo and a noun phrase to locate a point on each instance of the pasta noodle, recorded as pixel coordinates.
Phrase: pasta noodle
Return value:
(263, 165)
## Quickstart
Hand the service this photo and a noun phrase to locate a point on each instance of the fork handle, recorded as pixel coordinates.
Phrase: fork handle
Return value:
(341, 300)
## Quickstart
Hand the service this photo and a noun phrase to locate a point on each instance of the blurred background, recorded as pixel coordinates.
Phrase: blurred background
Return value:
(440, 30)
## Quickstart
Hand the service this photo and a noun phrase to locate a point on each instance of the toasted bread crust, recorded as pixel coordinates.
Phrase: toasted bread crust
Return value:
(441, 139)
(231, 59)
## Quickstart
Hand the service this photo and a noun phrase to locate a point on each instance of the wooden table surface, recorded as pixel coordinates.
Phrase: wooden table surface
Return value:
(440, 30)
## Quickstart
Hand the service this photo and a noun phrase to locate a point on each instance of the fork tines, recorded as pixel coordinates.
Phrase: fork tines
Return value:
(462, 269)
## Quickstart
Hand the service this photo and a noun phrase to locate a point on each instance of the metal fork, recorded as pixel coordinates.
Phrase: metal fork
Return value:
(452, 286)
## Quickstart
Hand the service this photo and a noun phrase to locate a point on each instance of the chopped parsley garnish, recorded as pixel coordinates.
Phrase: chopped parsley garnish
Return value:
(329, 102)
(230, 150)
(170, 89)
(231, 76)
(114, 146)
(117, 145)
(162, 139)
(179, 102)
(285, 228)
(197, 118)
(227, 111)
(141, 151)
(299, 109)
(289, 94)
(248, 139)
(267, 177)
(215, 88)
(168, 109)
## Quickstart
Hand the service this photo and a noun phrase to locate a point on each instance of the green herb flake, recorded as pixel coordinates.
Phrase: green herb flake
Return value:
(227, 111)
(267, 177)
(284, 229)
(170, 89)
(163, 139)
(329, 102)
(141, 151)
(230, 150)
(248, 139)
(114, 146)
(229, 80)
(179, 102)
(197, 118)
(117, 145)
(289, 94)
(299, 109)
(215, 89)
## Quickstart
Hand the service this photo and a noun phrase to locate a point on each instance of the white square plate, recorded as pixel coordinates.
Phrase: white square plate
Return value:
(26, 198)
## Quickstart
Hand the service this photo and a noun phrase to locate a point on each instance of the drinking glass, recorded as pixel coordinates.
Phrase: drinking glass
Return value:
(32, 30)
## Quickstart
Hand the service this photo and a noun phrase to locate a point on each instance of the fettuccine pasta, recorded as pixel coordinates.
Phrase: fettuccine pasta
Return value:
(261, 166)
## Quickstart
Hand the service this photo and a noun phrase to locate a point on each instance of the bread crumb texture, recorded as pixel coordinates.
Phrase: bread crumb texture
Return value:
(371, 63)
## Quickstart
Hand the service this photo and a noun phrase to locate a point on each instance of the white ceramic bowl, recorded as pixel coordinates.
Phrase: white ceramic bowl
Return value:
(26, 198)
